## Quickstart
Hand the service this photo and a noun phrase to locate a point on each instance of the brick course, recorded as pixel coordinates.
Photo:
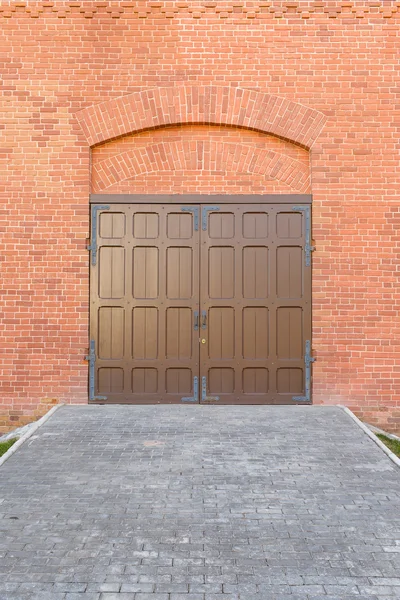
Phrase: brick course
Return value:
(200, 97)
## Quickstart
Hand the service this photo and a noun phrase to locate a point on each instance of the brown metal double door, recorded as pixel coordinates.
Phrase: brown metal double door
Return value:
(199, 304)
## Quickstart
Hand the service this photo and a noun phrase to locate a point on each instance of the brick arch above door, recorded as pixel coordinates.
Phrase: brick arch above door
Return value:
(119, 172)
(219, 105)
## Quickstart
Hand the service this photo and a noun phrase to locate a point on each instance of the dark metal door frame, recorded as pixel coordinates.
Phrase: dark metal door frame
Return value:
(200, 199)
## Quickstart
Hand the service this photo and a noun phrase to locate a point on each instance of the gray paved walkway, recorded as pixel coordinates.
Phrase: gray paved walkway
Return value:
(199, 503)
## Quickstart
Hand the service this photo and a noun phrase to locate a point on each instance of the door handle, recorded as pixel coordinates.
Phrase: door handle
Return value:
(204, 319)
(196, 320)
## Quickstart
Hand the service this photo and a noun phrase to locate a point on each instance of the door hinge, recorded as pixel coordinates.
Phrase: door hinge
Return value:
(195, 397)
(204, 212)
(204, 397)
(195, 211)
(307, 217)
(93, 242)
(91, 358)
(308, 359)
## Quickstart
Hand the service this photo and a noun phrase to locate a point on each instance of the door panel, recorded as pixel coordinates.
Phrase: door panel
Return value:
(200, 304)
(145, 291)
(255, 291)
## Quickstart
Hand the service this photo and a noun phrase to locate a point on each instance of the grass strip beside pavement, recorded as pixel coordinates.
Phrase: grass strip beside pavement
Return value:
(393, 445)
(4, 446)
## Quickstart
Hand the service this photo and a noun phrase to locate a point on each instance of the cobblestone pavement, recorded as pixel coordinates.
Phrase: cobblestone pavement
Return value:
(199, 503)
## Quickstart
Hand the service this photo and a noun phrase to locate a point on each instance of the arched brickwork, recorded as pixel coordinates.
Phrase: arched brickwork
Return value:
(183, 155)
(158, 107)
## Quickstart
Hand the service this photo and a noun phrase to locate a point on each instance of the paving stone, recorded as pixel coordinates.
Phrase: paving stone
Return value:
(103, 587)
(155, 596)
(178, 588)
(70, 587)
(123, 596)
(192, 597)
(84, 596)
(199, 503)
(137, 587)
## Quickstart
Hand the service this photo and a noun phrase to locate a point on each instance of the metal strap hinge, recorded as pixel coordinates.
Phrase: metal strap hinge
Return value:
(195, 397)
(91, 358)
(307, 217)
(93, 241)
(204, 212)
(308, 359)
(195, 211)
(204, 397)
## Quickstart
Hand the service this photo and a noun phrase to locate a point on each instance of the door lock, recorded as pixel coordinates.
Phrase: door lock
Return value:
(203, 341)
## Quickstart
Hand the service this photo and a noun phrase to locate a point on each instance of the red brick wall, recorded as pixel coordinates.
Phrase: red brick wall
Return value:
(326, 74)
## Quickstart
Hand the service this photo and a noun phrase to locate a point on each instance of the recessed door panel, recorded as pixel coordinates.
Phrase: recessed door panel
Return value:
(144, 381)
(179, 381)
(289, 271)
(289, 332)
(146, 225)
(255, 332)
(290, 381)
(179, 226)
(289, 225)
(221, 225)
(146, 272)
(111, 272)
(255, 225)
(145, 333)
(221, 336)
(179, 332)
(112, 225)
(255, 272)
(110, 380)
(255, 380)
(111, 332)
(221, 381)
(221, 272)
(179, 273)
